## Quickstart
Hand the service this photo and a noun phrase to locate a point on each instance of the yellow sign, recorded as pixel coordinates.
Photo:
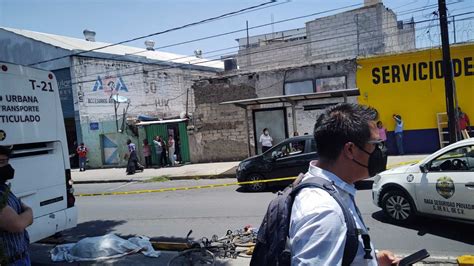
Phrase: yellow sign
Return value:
(412, 85)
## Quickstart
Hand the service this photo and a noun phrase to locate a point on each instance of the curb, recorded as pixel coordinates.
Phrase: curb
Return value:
(145, 179)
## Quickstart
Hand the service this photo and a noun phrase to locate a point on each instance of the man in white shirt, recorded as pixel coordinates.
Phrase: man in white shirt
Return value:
(266, 140)
(349, 149)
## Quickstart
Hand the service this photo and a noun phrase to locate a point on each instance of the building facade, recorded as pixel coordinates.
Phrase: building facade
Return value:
(282, 81)
(105, 92)
(412, 85)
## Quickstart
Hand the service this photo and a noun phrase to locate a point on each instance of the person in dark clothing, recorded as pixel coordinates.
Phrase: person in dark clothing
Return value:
(132, 164)
(15, 217)
(164, 153)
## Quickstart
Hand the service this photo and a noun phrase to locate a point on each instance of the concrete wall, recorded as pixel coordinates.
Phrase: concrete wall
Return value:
(219, 130)
(220, 133)
(364, 31)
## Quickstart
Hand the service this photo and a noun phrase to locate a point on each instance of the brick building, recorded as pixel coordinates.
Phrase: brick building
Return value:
(105, 91)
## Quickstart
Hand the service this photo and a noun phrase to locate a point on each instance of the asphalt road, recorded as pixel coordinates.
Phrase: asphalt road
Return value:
(208, 211)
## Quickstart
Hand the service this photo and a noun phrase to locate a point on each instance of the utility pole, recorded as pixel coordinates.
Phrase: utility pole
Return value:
(448, 71)
(187, 95)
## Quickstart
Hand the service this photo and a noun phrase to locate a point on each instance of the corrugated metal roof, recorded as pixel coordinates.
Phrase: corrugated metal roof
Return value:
(146, 123)
(71, 44)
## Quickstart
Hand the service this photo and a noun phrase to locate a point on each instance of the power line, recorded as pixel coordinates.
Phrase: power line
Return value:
(160, 32)
(183, 93)
(244, 29)
(277, 48)
(258, 26)
(268, 87)
(228, 33)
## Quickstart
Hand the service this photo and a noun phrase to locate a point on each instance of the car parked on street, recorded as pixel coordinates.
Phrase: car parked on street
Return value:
(286, 159)
(440, 185)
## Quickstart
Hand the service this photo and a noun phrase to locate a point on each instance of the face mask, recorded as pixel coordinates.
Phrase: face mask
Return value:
(7, 172)
(377, 161)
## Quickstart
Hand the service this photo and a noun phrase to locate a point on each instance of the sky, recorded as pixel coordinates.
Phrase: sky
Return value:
(119, 20)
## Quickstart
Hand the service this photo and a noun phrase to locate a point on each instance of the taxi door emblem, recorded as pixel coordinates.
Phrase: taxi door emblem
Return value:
(445, 187)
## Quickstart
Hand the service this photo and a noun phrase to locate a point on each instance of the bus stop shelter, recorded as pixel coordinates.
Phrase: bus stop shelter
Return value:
(292, 100)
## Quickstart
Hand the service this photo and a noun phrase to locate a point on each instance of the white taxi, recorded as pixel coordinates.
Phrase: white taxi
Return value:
(440, 185)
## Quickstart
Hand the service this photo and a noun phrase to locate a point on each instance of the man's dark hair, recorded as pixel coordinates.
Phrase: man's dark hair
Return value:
(4, 150)
(342, 123)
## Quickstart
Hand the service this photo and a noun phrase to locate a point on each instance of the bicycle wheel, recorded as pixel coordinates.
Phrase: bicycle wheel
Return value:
(193, 257)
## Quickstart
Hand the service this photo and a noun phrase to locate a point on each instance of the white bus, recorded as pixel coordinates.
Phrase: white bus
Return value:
(31, 122)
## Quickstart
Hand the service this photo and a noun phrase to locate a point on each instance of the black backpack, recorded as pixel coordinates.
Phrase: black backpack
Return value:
(271, 247)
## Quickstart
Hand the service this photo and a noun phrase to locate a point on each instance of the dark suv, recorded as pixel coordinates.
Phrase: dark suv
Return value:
(286, 159)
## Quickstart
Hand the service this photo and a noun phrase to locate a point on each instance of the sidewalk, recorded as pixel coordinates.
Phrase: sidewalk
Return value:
(189, 171)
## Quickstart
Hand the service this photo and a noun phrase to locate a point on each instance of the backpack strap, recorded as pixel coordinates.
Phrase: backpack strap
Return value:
(352, 240)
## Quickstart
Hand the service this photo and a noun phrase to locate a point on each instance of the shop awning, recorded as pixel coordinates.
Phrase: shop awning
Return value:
(145, 123)
(294, 97)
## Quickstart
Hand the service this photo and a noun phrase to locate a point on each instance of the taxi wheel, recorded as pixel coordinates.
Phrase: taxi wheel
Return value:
(255, 187)
(397, 205)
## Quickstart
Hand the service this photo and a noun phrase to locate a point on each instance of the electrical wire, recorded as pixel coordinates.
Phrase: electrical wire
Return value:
(259, 89)
(277, 48)
(258, 26)
(329, 31)
(159, 33)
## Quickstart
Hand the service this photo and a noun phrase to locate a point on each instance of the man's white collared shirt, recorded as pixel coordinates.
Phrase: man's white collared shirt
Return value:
(317, 226)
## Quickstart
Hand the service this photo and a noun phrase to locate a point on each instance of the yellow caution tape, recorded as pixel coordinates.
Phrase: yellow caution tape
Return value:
(465, 260)
(400, 164)
(134, 192)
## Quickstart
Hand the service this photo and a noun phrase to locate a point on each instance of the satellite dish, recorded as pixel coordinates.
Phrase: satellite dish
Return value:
(119, 98)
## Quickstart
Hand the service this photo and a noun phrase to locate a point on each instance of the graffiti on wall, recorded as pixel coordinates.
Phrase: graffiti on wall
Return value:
(165, 103)
(109, 85)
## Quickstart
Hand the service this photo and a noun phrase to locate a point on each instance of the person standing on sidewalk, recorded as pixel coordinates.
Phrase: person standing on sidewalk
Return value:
(82, 153)
(464, 124)
(266, 140)
(171, 150)
(164, 152)
(146, 153)
(382, 132)
(158, 150)
(399, 133)
(15, 217)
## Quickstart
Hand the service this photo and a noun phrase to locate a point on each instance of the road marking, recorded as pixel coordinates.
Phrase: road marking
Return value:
(135, 192)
